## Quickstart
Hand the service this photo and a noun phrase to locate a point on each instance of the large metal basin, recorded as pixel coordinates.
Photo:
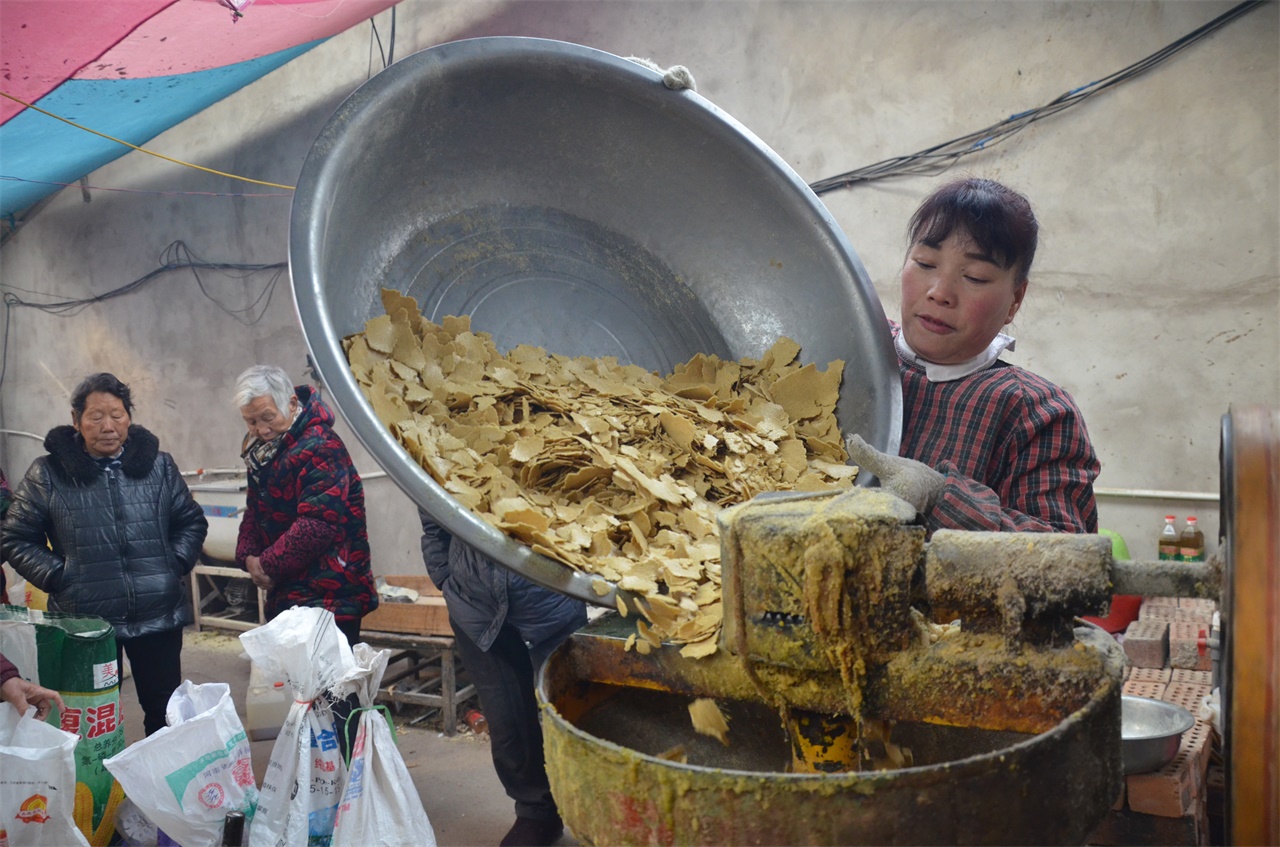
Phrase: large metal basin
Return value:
(563, 197)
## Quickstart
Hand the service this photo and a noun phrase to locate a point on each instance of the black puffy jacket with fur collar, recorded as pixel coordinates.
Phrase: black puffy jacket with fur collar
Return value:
(113, 542)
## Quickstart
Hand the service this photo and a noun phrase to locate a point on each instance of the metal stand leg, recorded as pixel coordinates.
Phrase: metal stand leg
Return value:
(447, 692)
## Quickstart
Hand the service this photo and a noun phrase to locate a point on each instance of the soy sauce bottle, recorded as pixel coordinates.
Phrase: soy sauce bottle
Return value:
(233, 830)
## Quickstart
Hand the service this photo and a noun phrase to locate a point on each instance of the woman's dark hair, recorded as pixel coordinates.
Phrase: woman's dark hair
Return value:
(999, 220)
(105, 383)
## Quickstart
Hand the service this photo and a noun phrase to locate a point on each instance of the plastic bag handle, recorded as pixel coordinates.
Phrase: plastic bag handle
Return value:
(386, 713)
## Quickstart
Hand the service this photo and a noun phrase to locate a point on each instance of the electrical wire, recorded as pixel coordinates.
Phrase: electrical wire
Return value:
(391, 43)
(176, 257)
(388, 55)
(939, 158)
(4, 343)
(374, 34)
(24, 103)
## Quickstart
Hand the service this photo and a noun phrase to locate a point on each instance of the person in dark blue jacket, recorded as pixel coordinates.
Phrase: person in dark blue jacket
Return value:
(504, 627)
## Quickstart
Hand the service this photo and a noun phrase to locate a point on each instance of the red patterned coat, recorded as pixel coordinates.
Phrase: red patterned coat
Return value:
(305, 520)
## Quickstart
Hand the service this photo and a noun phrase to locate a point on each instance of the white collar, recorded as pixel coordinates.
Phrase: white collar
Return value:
(950, 373)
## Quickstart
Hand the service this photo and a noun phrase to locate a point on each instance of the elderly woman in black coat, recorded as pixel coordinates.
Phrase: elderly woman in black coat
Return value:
(105, 525)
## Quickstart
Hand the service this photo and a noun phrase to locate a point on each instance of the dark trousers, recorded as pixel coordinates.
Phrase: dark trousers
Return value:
(343, 724)
(155, 661)
(351, 629)
(503, 677)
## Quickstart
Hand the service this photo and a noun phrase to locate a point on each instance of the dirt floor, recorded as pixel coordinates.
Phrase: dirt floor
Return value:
(454, 776)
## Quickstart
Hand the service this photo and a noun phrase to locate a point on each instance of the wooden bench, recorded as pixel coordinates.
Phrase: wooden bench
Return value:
(428, 677)
(204, 590)
(423, 669)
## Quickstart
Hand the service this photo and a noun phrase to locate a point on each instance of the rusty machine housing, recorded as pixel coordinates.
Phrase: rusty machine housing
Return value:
(1011, 725)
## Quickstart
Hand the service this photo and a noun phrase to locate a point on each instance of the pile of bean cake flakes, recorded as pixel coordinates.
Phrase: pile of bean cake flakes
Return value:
(611, 469)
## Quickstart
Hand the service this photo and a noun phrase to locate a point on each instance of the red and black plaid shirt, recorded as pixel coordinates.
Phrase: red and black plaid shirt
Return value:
(1012, 446)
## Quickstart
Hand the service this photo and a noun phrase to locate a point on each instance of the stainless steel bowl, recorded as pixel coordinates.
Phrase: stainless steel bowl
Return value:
(1150, 732)
(564, 197)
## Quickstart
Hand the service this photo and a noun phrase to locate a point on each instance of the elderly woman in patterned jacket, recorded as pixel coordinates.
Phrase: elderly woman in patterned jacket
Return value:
(303, 535)
(985, 445)
(105, 524)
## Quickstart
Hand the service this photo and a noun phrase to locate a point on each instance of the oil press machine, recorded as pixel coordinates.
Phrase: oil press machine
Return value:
(563, 197)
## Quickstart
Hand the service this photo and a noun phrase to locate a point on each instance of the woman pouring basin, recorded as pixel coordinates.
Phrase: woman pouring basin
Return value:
(985, 445)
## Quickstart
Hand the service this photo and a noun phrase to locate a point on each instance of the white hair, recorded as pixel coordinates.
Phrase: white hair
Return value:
(264, 381)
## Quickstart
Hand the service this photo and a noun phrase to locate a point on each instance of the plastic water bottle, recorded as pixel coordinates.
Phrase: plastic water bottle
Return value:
(1168, 543)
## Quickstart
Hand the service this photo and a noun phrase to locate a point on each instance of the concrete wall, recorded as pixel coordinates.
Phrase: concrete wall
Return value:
(1155, 300)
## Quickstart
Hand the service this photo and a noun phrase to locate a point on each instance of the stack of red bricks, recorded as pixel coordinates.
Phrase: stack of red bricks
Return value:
(1168, 659)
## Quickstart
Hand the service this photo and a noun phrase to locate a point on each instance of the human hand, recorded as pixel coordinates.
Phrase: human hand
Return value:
(913, 481)
(22, 695)
(253, 565)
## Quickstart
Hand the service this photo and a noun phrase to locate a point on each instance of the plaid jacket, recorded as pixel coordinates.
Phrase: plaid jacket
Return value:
(305, 519)
(1013, 448)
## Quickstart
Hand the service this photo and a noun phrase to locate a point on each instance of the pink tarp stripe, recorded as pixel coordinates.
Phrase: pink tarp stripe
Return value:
(199, 35)
(43, 43)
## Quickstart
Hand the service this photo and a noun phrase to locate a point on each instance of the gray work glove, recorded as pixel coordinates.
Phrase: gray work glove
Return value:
(676, 77)
(913, 481)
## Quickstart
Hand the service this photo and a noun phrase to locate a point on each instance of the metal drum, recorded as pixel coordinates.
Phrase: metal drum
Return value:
(563, 197)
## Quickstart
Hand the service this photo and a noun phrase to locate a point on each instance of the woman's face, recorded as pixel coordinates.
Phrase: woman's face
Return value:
(955, 300)
(265, 420)
(104, 424)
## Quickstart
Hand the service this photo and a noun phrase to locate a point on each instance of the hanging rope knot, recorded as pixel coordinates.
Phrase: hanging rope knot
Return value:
(676, 77)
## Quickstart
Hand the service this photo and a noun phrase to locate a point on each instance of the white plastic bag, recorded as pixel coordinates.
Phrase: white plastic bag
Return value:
(188, 775)
(18, 644)
(15, 588)
(380, 806)
(301, 787)
(1211, 709)
(37, 782)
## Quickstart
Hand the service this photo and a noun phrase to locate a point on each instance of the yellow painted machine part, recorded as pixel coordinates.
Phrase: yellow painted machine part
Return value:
(823, 743)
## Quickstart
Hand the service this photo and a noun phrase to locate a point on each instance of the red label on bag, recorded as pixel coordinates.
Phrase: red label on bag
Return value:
(34, 809)
(211, 795)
